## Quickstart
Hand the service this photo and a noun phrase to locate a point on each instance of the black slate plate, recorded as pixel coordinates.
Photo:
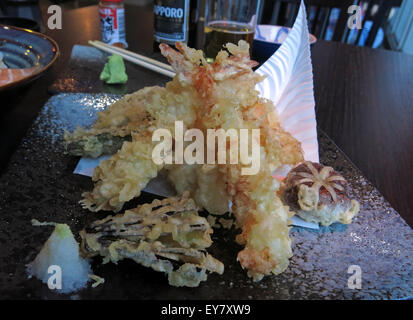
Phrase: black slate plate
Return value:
(39, 183)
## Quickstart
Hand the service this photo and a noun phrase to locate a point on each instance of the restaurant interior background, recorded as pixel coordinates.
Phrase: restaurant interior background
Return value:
(389, 22)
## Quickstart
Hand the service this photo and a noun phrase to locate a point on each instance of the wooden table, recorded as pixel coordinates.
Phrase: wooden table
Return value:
(364, 100)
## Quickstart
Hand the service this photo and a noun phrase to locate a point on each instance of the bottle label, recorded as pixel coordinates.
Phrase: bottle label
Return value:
(171, 21)
(113, 25)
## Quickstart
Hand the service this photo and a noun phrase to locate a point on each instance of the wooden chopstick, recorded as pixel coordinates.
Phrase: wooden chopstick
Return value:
(135, 58)
(135, 55)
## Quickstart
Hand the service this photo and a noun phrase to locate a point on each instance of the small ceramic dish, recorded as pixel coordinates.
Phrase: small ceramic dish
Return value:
(26, 53)
(268, 38)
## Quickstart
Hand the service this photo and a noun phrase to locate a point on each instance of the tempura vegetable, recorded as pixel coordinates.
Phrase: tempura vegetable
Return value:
(167, 235)
(318, 194)
(93, 146)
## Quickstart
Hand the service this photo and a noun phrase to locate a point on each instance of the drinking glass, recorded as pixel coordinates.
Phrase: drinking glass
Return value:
(228, 21)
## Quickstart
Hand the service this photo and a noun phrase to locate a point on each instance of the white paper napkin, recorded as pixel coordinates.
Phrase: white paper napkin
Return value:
(289, 84)
(160, 186)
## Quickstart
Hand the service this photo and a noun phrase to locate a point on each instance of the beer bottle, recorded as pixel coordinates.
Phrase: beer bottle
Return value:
(176, 20)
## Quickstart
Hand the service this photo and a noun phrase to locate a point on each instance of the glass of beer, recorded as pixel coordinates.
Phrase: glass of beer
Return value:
(228, 21)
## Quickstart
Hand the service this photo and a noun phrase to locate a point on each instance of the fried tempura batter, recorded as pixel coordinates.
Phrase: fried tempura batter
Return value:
(229, 100)
(166, 235)
(204, 183)
(220, 95)
(123, 176)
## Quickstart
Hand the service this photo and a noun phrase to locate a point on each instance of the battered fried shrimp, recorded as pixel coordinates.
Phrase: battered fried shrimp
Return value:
(264, 223)
(123, 176)
(167, 235)
(204, 183)
(220, 95)
(230, 101)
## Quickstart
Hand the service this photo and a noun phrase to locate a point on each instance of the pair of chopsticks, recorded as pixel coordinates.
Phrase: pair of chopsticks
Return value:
(135, 58)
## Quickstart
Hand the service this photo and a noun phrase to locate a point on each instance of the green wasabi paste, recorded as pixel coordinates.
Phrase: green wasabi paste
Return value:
(114, 70)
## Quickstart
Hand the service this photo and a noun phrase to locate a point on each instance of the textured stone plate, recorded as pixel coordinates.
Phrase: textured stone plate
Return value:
(39, 183)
